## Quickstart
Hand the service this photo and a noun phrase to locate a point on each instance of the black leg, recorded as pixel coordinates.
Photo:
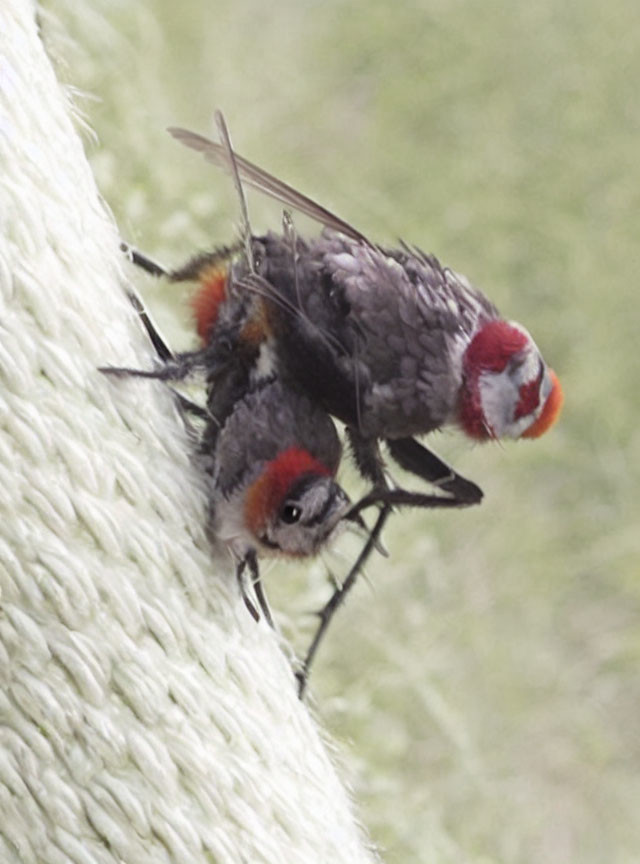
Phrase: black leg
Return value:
(387, 499)
(176, 371)
(414, 457)
(162, 349)
(142, 261)
(189, 272)
(256, 582)
(338, 597)
(366, 454)
(193, 270)
(192, 408)
(175, 367)
(239, 573)
(404, 498)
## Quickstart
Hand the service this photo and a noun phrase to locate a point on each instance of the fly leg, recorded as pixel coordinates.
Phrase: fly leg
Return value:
(140, 260)
(366, 454)
(216, 354)
(178, 370)
(338, 597)
(256, 583)
(405, 498)
(251, 561)
(190, 407)
(189, 272)
(175, 367)
(369, 463)
(414, 457)
(239, 576)
(162, 349)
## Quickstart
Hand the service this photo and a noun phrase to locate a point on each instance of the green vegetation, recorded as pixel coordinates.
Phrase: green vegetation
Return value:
(486, 680)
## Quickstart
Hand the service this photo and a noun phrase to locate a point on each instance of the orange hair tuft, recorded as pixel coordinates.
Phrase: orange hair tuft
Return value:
(207, 301)
(550, 412)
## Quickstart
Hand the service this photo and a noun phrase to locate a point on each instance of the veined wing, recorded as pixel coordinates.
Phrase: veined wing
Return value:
(265, 182)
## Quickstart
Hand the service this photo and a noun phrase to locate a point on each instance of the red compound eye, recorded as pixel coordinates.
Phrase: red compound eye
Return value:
(529, 396)
(493, 346)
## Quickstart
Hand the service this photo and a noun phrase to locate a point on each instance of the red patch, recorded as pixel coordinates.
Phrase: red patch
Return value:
(268, 492)
(489, 351)
(492, 347)
(208, 300)
(529, 397)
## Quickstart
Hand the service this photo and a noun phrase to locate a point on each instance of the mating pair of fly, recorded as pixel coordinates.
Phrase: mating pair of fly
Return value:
(296, 332)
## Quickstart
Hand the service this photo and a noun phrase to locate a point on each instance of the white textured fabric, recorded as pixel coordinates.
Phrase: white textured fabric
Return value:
(144, 716)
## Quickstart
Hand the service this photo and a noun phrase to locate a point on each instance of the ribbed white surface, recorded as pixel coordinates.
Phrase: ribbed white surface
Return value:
(144, 717)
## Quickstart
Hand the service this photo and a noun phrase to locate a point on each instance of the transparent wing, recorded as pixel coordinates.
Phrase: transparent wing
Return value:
(265, 182)
(228, 161)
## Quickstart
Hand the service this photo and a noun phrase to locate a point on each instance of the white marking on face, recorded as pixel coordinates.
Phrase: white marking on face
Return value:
(500, 391)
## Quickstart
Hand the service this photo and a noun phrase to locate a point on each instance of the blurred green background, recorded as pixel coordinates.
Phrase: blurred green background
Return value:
(484, 681)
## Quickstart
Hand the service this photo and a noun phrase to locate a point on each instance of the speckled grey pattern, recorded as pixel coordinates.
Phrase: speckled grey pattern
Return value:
(269, 420)
(378, 334)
